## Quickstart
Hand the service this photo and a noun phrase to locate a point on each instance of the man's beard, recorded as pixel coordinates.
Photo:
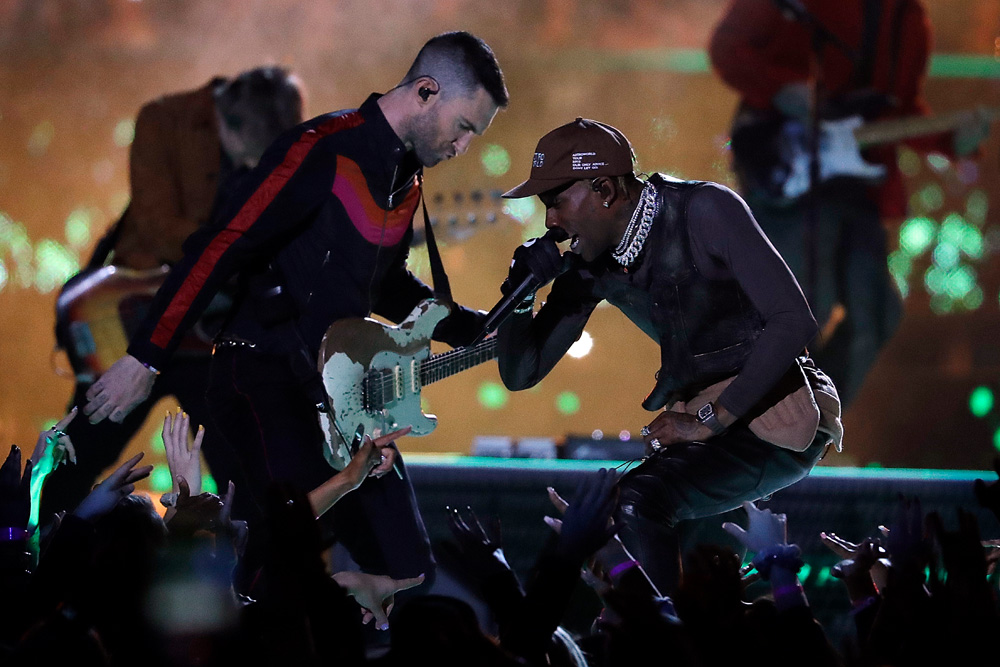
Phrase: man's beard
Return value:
(426, 149)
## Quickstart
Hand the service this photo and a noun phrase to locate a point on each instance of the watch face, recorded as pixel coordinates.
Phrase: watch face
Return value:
(706, 412)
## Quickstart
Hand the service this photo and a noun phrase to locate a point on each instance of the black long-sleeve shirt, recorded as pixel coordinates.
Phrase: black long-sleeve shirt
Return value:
(725, 243)
(326, 219)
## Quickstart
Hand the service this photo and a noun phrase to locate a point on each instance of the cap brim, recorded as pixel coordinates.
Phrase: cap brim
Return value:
(535, 186)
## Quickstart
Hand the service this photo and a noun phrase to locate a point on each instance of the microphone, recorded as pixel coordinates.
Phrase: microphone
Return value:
(509, 303)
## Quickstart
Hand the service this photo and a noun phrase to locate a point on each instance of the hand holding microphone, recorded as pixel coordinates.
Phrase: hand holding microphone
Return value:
(538, 259)
(535, 263)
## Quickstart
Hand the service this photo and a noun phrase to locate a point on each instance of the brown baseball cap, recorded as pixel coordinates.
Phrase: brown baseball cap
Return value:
(581, 149)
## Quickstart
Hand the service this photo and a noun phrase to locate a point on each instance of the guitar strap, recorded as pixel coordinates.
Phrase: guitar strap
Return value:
(442, 288)
(897, 29)
(865, 69)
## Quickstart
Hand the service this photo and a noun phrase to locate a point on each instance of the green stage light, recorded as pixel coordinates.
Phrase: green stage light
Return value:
(934, 279)
(960, 282)
(981, 401)
(495, 160)
(942, 304)
(996, 439)
(123, 133)
(159, 480)
(938, 162)
(804, 572)
(568, 403)
(916, 235)
(900, 266)
(208, 485)
(492, 396)
(54, 265)
(932, 197)
(156, 443)
(977, 204)
(945, 255)
(521, 210)
(78, 225)
(974, 299)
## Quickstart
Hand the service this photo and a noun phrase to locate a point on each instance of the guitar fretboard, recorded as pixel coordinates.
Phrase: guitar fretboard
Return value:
(446, 364)
(898, 129)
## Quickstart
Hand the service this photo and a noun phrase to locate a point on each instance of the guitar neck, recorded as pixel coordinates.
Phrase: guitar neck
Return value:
(896, 130)
(446, 364)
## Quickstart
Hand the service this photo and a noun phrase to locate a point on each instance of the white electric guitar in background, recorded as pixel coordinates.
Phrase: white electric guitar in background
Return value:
(374, 373)
(771, 153)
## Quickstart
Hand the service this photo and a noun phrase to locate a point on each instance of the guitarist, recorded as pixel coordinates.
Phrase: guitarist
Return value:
(687, 264)
(189, 150)
(769, 61)
(320, 231)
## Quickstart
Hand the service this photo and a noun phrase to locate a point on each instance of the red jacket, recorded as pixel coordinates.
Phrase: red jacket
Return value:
(756, 51)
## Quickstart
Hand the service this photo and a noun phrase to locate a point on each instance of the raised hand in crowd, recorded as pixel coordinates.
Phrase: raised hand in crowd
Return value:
(862, 565)
(482, 550)
(612, 565)
(182, 452)
(116, 393)
(586, 523)
(373, 459)
(988, 493)
(53, 446)
(116, 486)
(193, 513)
(765, 529)
(375, 593)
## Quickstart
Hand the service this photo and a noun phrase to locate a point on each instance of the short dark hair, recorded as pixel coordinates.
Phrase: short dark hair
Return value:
(461, 57)
(271, 95)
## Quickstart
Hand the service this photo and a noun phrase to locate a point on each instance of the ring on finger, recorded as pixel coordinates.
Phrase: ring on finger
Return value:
(655, 444)
(644, 431)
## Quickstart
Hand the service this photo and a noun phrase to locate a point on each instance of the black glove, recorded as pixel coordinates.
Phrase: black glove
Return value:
(539, 258)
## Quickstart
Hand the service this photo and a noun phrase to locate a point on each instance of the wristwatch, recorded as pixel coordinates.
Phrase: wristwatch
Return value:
(706, 415)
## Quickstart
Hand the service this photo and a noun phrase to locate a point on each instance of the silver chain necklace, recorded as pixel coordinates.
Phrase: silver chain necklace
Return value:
(627, 251)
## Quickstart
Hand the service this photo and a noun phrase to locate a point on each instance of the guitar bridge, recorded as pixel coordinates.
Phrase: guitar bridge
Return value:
(373, 388)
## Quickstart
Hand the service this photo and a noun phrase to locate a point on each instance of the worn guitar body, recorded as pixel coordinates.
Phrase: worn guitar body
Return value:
(351, 349)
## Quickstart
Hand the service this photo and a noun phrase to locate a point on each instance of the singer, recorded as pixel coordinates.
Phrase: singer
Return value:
(747, 412)
(320, 231)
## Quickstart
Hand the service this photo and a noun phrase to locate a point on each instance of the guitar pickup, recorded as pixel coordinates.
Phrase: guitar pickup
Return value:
(397, 382)
(414, 376)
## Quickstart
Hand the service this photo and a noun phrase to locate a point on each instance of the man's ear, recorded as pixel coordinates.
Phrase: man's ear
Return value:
(427, 86)
(605, 188)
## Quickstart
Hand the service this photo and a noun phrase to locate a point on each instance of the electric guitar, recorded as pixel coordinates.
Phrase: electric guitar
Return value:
(98, 310)
(373, 374)
(771, 152)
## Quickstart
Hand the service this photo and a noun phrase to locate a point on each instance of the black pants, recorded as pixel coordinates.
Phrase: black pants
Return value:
(99, 446)
(261, 409)
(676, 498)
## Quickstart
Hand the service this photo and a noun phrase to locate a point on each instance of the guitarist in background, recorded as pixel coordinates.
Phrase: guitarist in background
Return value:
(769, 60)
(189, 151)
(319, 231)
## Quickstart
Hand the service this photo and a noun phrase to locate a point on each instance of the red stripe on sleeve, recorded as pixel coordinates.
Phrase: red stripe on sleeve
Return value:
(248, 214)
